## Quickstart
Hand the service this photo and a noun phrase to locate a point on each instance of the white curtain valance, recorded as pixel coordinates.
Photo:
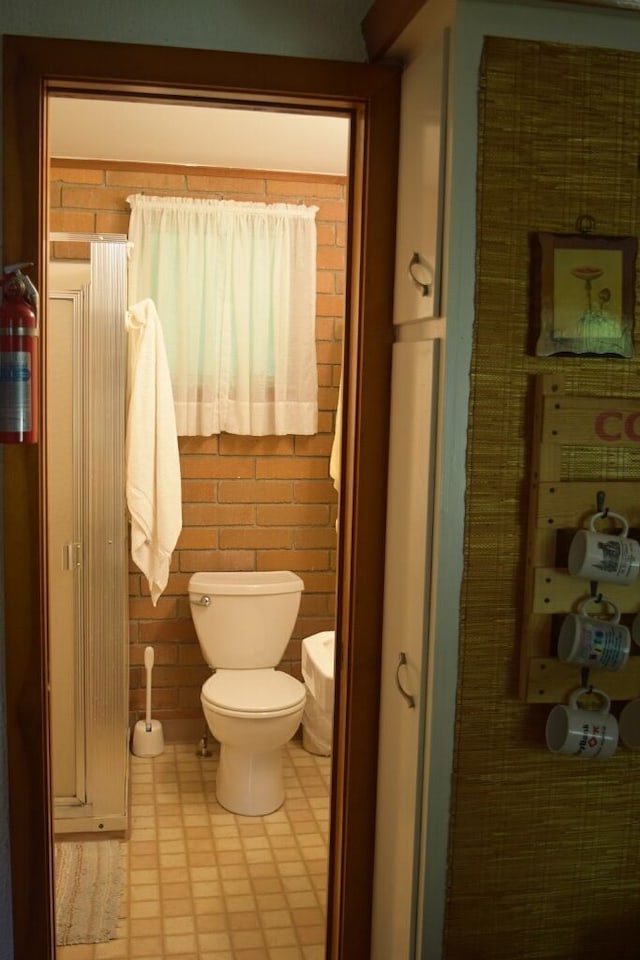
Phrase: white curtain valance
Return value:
(234, 285)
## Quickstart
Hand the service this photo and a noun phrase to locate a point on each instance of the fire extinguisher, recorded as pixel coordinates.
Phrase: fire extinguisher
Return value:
(18, 357)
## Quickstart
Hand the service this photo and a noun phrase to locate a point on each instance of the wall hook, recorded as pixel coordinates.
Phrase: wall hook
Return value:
(585, 223)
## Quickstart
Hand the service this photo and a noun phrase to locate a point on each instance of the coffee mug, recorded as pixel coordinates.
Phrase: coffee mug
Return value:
(635, 629)
(574, 731)
(629, 724)
(594, 642)
(597, 555)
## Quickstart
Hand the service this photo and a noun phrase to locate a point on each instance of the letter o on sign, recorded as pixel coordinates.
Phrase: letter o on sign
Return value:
(631, 425)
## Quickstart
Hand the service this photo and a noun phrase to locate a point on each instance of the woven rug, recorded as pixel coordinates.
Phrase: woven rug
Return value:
(88, 886)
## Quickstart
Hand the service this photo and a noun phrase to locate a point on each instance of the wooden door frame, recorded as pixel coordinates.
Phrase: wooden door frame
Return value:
(369, 95)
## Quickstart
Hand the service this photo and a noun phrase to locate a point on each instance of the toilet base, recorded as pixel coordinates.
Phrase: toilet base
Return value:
(250, 784)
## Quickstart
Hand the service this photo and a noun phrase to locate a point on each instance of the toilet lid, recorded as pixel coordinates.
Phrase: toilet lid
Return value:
(251, 692)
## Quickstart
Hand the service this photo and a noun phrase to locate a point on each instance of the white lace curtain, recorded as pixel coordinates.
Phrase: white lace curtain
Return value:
(234, 285)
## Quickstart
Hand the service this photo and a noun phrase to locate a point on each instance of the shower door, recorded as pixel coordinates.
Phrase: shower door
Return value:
(87, 537)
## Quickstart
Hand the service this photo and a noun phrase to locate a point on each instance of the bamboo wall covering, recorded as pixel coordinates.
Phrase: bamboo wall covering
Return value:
(544, 861)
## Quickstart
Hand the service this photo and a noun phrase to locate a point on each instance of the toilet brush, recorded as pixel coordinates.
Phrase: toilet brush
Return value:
(148, 739)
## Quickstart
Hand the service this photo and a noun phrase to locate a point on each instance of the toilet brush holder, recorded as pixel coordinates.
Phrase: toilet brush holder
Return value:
(148, 738)
(147, 742)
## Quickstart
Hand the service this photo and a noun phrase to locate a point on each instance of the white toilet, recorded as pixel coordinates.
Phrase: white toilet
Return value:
(244, 621)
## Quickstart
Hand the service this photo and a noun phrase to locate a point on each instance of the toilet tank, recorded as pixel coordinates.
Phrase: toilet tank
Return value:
(244, 619)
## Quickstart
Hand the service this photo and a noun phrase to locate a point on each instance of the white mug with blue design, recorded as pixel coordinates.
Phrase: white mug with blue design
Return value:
(598, 555)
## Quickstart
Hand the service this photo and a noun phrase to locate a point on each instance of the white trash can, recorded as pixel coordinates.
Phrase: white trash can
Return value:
(318, 653)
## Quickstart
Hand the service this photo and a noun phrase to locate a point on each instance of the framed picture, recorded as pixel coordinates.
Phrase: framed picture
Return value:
(583, 293)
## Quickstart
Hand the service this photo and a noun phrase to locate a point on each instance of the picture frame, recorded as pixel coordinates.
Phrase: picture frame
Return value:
(583, 293)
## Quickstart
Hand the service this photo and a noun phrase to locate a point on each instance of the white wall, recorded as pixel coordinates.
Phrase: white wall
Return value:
(327, 29)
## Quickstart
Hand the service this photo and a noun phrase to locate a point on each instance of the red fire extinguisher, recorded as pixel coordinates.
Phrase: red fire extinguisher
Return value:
(18, 358)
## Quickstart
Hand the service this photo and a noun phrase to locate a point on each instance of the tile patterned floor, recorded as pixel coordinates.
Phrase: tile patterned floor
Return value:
(205, 884)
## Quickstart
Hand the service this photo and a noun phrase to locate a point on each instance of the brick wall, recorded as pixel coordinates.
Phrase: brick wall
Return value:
(249, 503)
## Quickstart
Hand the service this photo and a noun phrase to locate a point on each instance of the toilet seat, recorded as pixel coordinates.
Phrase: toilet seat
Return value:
(253, 693)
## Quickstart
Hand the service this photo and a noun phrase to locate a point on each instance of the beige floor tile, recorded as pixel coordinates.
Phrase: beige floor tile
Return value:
(206, 888)
(214, 940)
(75, 951)
(208, 905)
(313, 952)
(180, 943)
(176, 925)
(281, 937)
(143, 877)
(180, 907)
(145, 908)
(284, 953)
(244, 921)
(145, 947)
(144, 891)
(145, 926)
(204, 856)
(211, 922)
(276, 918)
(111, 950)
(267, 885)
(302, 898)
(240, 903)
(236, 886)
(247, 939)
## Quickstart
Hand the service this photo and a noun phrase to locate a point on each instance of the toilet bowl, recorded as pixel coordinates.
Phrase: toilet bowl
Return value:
(243, 621)
(318, 655)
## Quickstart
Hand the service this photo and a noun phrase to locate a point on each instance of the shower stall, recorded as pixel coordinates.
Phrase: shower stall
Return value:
(85, 384)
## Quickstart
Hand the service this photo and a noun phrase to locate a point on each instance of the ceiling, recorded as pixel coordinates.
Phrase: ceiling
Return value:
(101, 129)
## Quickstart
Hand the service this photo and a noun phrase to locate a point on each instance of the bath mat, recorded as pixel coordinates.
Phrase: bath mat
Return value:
(88, 887)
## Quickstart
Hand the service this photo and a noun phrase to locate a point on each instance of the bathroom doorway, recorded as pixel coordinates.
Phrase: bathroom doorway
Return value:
(369, 97)
(277, 157)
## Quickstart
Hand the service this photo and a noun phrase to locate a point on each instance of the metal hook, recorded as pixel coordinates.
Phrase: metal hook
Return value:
(585, 223)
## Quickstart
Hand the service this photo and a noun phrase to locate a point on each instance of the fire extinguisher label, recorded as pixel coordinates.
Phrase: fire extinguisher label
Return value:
(15, 392)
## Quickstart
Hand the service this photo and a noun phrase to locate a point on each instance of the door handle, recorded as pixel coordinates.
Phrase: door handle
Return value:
(424, 286)
(402, 662)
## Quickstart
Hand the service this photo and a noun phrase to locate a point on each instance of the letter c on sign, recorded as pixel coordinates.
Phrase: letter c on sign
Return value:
(600, 424)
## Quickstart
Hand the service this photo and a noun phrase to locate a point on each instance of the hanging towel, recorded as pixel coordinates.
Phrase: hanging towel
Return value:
(335, 466)
(154, 496)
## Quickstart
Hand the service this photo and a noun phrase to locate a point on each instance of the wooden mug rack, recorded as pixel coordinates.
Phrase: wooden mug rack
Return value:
(557, 508)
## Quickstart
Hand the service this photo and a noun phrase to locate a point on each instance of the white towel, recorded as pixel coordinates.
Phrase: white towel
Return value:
(154, 495)
(335, 460)
(335, 466)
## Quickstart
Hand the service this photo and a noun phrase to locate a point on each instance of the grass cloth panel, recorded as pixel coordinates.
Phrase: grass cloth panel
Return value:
(88, 888)
(544, 860)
